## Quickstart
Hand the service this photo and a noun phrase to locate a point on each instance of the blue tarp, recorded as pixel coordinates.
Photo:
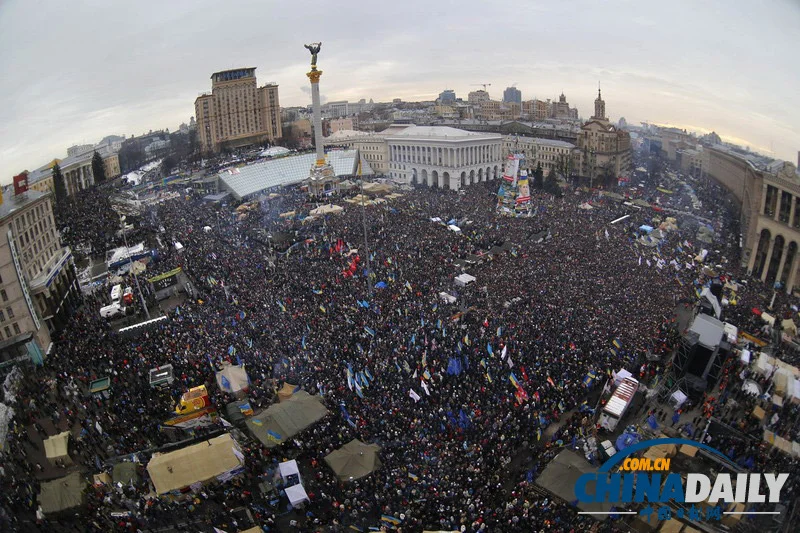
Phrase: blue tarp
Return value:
(645, 228)
(625, 440)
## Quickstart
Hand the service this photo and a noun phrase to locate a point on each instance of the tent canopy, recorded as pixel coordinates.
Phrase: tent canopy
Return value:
(62, 494)
(286, 391)
(326, 209)
(232, 378)
(560, 477)
(282, 421)
(198, 463)
(354, 460)
(126, 473)
(56, 447)
(296, 494)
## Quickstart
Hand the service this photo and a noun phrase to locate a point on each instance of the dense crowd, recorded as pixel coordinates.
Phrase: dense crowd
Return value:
(589, 300)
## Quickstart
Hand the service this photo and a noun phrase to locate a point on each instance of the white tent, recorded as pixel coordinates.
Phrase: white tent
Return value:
(232, 378)
(744, 357)
(289, 468)
(297, 495)
(463, 280)
(454, 228)
(678, 398)
(447, 298)
(768, 318)
(57, 447)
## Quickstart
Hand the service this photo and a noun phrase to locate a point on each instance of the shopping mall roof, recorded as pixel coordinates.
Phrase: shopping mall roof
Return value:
(251, 179)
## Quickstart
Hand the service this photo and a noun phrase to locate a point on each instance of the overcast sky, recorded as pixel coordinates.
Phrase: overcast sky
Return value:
(73, 72)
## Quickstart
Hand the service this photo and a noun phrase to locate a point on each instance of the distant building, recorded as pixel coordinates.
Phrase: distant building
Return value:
(535, 110)
(477, 97)
(339, 124)
(622, 123)
(371, 146)
(38, 285)
(237, 112)
(562, 110)
(448, 96)
(512, 94)
(443, 157)
(604, 150)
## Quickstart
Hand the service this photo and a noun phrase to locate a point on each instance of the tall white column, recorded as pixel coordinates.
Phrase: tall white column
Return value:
(317, 116)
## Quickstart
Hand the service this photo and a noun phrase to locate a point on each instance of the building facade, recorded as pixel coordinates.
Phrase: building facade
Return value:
(770, 214)
(551, 154)
(562, 110)
(372, 147)
(477, 97)
(237, 112)
(604, 150)
(38, 286)
(448, 158)
(76, 170)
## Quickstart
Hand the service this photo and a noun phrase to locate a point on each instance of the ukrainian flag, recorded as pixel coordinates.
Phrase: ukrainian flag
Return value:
(391, 519)
(617, 344)
(513, 380)
(413, 476)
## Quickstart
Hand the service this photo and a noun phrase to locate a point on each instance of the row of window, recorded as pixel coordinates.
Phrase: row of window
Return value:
(8, 331)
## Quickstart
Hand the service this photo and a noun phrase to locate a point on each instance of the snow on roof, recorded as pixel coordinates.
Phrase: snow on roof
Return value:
(439, 132)
(345, 134)
(275, 151)
(250, 179)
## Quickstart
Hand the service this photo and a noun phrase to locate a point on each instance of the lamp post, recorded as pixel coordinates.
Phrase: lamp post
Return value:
(364, 222)
(130, 262)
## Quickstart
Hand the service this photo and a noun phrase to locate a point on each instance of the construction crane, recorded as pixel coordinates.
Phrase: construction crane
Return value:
(484, 85)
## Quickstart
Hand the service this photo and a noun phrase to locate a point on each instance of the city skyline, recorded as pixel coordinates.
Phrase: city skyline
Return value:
(705, 72)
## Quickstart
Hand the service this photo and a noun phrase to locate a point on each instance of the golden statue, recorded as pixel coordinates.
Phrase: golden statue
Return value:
(314, 49)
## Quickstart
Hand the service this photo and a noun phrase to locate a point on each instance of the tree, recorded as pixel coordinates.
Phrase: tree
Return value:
(168, 164)
(58, 185)
(538, 176)
(98, 169)
(551, 183)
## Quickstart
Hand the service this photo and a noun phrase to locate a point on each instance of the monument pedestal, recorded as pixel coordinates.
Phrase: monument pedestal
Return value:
(321, 179)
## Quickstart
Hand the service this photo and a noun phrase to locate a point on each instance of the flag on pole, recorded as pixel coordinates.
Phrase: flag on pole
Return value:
(280, 304)
(513, 379)
(369, 331)
(550, 381)
(489, 348)
(510, 363)
(424, 387)
(503, 353)
(413, 395)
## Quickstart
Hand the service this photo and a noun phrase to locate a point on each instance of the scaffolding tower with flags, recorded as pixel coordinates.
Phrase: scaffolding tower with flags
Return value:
(514, 194)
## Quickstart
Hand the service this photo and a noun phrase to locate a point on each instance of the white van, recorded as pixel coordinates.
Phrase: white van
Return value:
(111, 311)
(116, 293)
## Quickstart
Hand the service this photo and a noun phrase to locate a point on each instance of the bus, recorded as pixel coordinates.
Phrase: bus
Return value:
(618, 404)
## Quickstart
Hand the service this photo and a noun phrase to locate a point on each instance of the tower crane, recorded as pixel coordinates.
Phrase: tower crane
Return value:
(484, 85)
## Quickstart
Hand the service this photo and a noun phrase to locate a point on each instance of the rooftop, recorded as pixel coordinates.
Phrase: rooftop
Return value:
(439, 132)
(14, 203)
(250, 179)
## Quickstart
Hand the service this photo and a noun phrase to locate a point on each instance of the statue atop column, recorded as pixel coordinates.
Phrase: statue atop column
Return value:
(314, 49)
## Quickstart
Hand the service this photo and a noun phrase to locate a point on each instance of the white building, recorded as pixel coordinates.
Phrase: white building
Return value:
(549, 153)
(444, 157)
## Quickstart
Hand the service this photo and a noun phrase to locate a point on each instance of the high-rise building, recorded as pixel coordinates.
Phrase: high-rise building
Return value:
(512, 94)
(38, 286)
(237, 112)
(448, 96)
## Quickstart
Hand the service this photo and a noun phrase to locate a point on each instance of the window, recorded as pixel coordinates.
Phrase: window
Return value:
(10, 312)
(16, 329)
(3, 295)
(8, 332)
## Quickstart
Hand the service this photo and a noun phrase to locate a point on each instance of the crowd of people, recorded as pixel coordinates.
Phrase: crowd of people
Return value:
(457, 393)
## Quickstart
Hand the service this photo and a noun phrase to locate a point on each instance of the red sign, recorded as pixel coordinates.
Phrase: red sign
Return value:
(20, 183)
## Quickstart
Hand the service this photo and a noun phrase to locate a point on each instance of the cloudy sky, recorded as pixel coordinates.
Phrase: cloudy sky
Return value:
(73, 72)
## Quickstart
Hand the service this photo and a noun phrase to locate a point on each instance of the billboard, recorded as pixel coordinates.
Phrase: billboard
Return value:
(20, 183)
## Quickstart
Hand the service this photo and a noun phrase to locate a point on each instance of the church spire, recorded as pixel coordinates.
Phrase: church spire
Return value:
(599, 106)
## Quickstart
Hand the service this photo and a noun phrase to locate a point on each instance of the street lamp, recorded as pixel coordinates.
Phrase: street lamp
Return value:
(130, 263)
(364, 222)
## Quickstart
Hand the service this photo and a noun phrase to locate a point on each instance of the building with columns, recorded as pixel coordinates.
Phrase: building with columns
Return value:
(444, 157)
(770, 215)
(76, 169)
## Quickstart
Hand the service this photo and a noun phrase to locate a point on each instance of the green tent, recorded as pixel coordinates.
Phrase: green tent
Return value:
(62, 494)
(282, 421)
(126, 473)
(354, 460)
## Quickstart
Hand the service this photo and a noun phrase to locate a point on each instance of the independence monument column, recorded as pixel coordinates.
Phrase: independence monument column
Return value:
(322, 177)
